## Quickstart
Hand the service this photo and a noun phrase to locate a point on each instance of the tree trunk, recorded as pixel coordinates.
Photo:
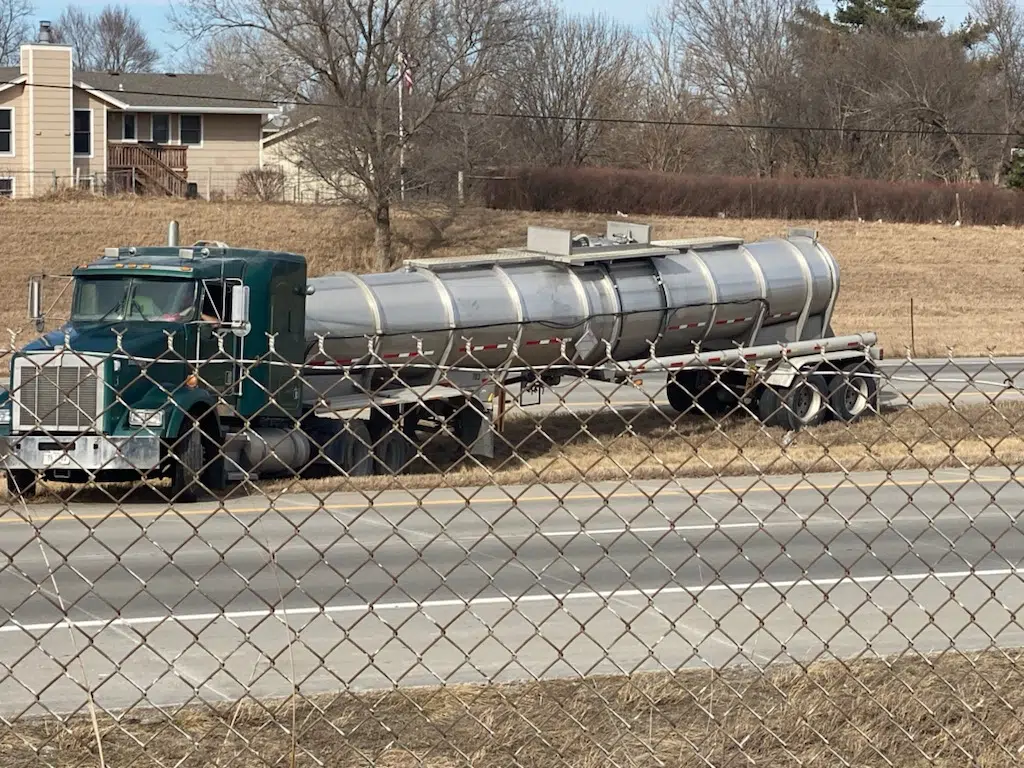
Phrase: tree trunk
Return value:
(382, 235)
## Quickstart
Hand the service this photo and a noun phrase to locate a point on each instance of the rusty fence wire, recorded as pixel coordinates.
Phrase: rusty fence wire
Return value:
(440, 551)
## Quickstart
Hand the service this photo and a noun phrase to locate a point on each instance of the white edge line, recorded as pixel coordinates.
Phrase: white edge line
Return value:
(549, 598)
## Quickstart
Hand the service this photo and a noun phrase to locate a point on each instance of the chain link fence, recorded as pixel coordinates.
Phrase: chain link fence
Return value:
(223, 549)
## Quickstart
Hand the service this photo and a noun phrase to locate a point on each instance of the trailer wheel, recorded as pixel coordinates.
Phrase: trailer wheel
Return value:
(853, 390)
(22, 483)
(805, 403)
(802, 404)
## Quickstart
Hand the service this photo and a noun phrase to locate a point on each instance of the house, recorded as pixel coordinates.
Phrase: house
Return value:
(300, 184)
(169, 134)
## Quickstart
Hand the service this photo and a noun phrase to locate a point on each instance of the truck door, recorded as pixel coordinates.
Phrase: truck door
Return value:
(219, 349)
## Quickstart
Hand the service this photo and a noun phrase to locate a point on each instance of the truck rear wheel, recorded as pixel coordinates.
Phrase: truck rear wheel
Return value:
(22, 483)
(701, 391)
(391, 453)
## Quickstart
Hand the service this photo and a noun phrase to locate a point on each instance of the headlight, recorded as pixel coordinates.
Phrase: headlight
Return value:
(146, 417)
(5, 416)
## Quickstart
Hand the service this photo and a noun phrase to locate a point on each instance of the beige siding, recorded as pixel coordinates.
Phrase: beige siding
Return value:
(86, 167)
(13, 165)
(50, 130)
(300, 185)
(231, 145)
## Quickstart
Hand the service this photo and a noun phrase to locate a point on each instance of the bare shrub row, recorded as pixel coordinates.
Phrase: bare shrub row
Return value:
(609, 190)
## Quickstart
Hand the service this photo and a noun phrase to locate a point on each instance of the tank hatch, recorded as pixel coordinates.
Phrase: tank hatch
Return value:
(622, 241)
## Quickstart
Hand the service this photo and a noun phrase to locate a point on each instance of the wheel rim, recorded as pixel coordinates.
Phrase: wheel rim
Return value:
(855, 396)
(806, 401)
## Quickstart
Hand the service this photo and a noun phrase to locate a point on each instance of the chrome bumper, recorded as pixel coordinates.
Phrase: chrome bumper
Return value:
(88, 452)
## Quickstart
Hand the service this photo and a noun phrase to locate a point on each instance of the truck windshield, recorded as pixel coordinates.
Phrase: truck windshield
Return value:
(101, 299)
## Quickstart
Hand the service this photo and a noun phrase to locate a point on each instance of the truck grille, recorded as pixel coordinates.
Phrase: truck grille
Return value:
(59, 393)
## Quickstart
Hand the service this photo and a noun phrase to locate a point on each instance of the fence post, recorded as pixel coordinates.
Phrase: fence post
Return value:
(462, 188)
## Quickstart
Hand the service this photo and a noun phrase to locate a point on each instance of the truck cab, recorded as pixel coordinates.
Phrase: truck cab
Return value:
(159, 359)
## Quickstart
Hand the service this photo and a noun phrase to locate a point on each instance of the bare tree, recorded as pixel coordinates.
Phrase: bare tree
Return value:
(111, 40)
(351, 54)
(1003, 45)
(14, 28)
(669, 100)
(77, 28)
(575, 75)
(743, 58)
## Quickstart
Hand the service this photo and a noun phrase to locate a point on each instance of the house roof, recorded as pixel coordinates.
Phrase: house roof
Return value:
(157, 92)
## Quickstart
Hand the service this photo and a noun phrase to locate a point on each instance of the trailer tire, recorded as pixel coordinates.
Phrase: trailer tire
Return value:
(22, 483)
(187, 465)
(804, 403)
(853, 390)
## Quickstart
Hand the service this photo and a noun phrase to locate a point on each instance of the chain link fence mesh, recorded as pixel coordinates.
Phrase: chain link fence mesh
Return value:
(521, 564)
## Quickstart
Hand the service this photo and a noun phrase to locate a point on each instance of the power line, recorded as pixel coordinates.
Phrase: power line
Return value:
(654, 122)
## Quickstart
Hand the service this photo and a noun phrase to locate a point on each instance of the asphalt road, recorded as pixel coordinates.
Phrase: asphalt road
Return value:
(499, 583)
(150, 606)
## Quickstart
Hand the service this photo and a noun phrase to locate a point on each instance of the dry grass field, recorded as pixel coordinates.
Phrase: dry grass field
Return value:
(965, 282)
(951, 710)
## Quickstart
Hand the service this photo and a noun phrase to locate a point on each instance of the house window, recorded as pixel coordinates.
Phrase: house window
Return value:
(6, 187)
(161, 128)
(128, 134)
(6, 131)
(191, 129)
(83, 132)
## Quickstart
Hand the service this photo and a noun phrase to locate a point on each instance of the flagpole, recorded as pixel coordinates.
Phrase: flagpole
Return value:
(401, 116)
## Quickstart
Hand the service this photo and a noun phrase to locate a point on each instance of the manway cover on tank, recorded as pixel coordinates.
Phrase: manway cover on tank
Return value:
(565, 299)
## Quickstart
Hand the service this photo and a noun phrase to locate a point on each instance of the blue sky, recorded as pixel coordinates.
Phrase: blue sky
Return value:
(153, 13)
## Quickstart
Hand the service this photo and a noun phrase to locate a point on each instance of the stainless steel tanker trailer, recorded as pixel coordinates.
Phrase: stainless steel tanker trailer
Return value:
(726, 321)
(277, 371)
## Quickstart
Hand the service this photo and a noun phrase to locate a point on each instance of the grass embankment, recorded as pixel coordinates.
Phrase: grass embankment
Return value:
(954, 710)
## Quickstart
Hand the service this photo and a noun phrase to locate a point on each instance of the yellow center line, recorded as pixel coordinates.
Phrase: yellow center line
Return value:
(412, 504)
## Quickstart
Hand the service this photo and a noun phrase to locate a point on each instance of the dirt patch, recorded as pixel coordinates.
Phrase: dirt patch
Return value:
(950, 710)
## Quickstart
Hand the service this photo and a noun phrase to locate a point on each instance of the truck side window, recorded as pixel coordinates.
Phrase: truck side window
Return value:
(216, 302)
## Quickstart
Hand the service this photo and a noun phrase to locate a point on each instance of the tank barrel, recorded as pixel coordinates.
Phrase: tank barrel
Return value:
(584, 294)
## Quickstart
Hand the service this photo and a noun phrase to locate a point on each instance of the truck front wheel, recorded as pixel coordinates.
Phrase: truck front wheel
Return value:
(187, 466)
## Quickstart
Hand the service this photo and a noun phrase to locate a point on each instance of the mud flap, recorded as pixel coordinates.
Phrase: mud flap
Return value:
(475, 428)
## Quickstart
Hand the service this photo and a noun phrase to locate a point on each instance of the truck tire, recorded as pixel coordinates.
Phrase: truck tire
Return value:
(356, 455)
(22, 483)
(699, 391)
(391, 453)
(187, 466)
(853, 391)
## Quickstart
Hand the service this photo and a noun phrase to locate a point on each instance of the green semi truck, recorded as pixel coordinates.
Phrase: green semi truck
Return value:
(211, 363)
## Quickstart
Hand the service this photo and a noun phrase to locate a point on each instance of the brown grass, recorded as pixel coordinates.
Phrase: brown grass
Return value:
(965, 282)
(650, 443)
(940, 711)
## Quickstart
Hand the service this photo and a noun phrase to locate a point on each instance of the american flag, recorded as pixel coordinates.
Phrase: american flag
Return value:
(406, 72)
